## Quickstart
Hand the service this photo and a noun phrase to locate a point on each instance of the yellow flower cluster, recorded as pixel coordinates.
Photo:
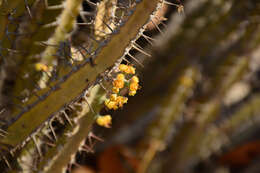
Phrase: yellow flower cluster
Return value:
(104, 121)
(134, 85)
(128, 69)
(115, 101)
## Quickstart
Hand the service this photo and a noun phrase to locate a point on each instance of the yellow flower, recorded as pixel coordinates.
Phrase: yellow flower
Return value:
(111, 104)
(132, 93)
(133, 86)
(115, 90)
(120, 81)
(113, 97)
(135, 79)
(120, 77)
(118, 84)
(127, 69)
(123, 67)
(41, 67)
(131, 70)
(104, 121)
(121, 100)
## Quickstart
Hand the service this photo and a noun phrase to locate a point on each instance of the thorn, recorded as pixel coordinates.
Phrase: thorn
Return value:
(54, 7)
(170, 3)
(126, 60)
(60, 120)
(3, 131)
(2, 135)
(136, 60)
(87, 149)
(50, 144)
(140, 49)
(148, 39)
(7, 163)
(85, 49)
(102, 86)
(13, 51)
(92, 38)
(53, 24)
(67, 117)
(52, 130)
(87, 23)
(90, 107)
(12, 153)
(69, 167)
(37, 146)
(77, 165)
(87, 13)
(91, 135)
(161, 21)
(48, 136)
(108, 26)
(81, 53)
(28, 9)
(156, 25)
(92, 3)
(46, 44)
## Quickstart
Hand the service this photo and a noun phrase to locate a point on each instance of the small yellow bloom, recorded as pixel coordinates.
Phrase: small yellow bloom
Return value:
(115, 90)
(121, 100)
(135, 79)
(120, 77)
(132, 93)
(120, 81)
(41, 67)
(127, 69)
(131, 70)
(104, 121)
(111, 104)
(113, 97)
(118, 84)
(133, 86)
(123, 67)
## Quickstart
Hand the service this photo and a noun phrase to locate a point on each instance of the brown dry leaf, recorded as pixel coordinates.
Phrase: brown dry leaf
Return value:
(83, 170)
(117, 159)
(242, 155)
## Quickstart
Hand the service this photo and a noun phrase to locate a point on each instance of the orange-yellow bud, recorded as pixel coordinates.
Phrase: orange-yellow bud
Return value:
(135, 79)
(113, 97)
(123, 67)
(127, 69)
(118, 84)
(133, 86)
(131, 70)
(132, 93)
(120, 77)
(41, 67)
(115, 90)
(104, 121)
(111, 104)
(121, 100)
